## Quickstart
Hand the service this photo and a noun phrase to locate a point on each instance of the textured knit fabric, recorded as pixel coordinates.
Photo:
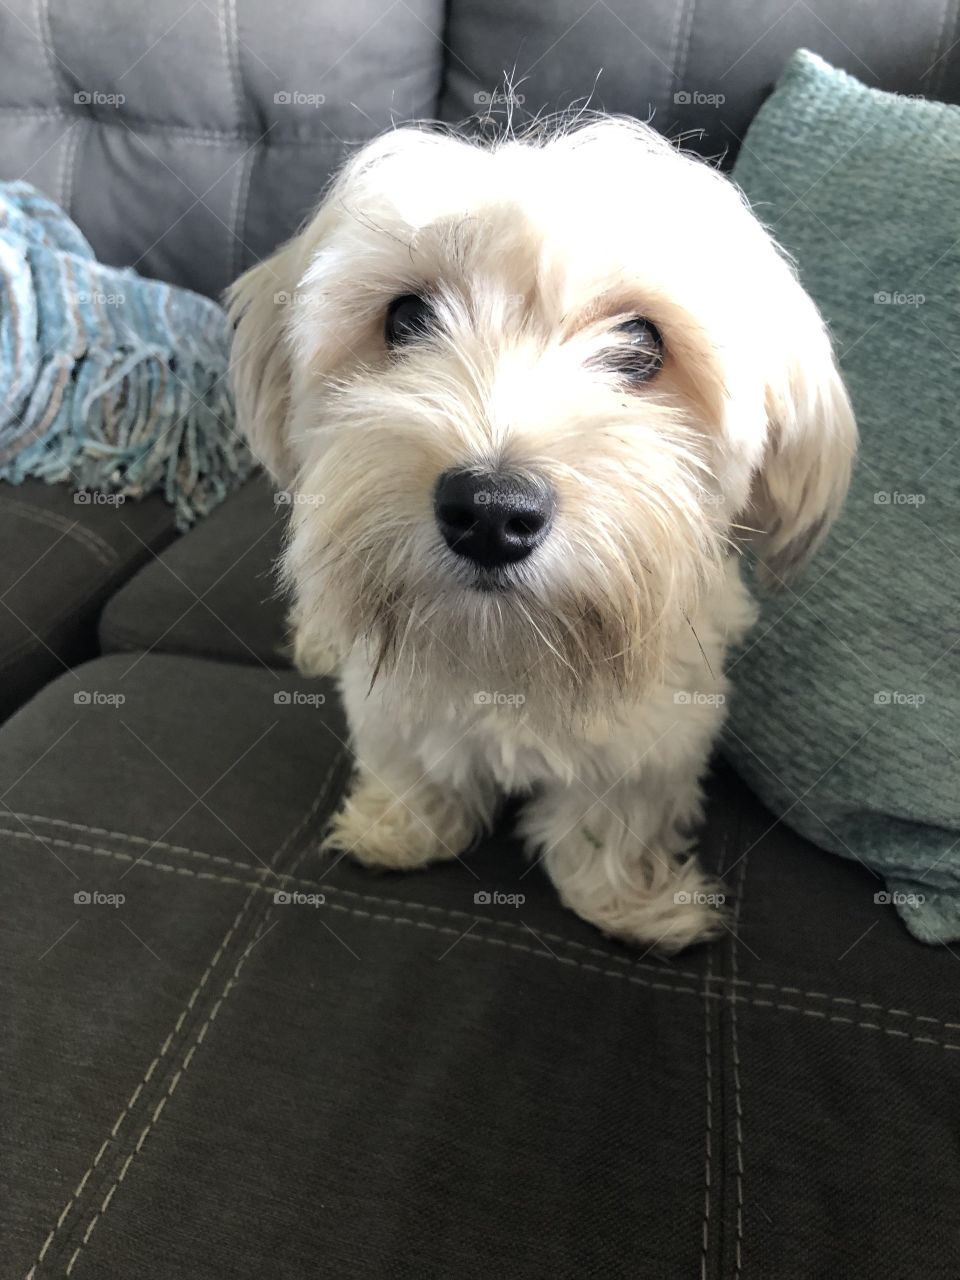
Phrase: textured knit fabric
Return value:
(108, 380)
(846, 718)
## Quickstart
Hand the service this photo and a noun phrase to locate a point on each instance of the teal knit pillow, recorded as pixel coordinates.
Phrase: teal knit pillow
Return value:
(846, 717)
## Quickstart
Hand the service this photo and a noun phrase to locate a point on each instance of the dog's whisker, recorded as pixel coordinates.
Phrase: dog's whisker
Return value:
(703, 651)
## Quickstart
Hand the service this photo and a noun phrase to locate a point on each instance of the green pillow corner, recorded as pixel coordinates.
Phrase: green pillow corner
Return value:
(845, 716)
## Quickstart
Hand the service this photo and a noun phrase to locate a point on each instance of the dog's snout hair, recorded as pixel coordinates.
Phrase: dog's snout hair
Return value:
(519, 307)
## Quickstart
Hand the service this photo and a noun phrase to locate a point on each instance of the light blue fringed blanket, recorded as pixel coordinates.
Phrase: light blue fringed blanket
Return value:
(108, 381)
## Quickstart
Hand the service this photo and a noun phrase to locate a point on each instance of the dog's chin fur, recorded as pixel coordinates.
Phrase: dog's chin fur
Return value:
(578, 627)
(589, 674)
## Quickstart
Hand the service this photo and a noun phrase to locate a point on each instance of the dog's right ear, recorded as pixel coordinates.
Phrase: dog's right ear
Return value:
(264, 303)
(257, 305)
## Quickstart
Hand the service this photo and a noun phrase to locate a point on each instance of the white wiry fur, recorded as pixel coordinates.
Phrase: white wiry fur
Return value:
(592, 680)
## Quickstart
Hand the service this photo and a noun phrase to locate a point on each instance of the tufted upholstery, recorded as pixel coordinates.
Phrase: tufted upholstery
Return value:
(190, 141)
(200, 169)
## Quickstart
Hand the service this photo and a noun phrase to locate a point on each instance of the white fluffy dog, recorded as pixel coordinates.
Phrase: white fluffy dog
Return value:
(527, 397)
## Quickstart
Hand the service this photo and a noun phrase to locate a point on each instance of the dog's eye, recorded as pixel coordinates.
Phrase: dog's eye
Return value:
(638, 355)
(409, 318)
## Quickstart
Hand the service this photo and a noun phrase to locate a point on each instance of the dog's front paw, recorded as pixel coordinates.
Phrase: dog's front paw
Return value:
(633, 879)
(401, 829)
(669, 912)
(313, 654)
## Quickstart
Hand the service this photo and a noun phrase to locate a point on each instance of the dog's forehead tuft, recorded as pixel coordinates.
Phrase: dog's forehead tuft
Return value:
(605, 220)
(611, 185)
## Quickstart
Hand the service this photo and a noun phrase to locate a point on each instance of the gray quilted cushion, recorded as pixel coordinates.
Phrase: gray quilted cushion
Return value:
(188, 137)
(217, 149)
(697, 64)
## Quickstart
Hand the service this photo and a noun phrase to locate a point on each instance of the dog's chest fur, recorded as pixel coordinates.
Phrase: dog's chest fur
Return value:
(492, 738)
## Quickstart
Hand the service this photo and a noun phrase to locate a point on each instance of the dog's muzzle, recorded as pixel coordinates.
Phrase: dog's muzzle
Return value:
(493, 518)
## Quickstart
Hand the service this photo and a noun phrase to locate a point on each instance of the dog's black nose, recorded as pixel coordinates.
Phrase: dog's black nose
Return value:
(493, 518)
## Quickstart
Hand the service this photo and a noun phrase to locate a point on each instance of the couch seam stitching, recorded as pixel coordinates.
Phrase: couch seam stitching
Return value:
(635, 979)
(171, 1086)
(215, 1009)
(238, 212)
(131, 839)
(210, 137)
(45, 38)
(675, 49)
(680, 68)
(735, 1052)
(451, 912)
(97, 546)
(230, 41)
(707, 1122)
(624, 973)
(68, 166)
(293, 835)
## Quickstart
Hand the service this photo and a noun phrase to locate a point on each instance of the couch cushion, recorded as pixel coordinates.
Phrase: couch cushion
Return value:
(190, 139)
(214, 593)
(699, 67)
(403, 1080)
(62, 557)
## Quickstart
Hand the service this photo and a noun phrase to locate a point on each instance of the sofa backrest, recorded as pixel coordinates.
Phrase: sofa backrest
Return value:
(189, 137)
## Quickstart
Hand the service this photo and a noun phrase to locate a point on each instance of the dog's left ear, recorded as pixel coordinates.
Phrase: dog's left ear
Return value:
(811, 437)
(259, 357)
